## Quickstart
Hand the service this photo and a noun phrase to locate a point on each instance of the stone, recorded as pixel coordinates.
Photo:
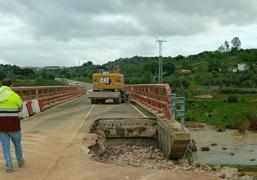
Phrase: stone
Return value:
(205, 148)
(153, 158)
(228, 172)
(246, 178)
(183, 162)
(197, 164)
(221, 129)
(206, 167)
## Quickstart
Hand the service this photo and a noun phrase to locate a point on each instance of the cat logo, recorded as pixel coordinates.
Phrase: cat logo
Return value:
(105, 80)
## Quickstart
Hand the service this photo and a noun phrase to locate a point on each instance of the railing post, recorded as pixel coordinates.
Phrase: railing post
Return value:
(173, 106)
(181, 111)
(36, 94)
(178, 113)
(182, 107)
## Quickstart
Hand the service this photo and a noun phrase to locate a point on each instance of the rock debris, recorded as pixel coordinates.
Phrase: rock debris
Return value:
(153, 158)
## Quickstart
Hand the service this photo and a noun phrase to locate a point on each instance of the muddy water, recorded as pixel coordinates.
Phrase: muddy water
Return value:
(232, 147)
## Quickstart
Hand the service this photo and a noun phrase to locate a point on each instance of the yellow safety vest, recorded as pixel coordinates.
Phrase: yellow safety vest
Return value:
(9, 101)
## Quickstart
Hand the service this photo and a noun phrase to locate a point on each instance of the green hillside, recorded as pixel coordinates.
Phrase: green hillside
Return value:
(207, 69)
(182, 73)
(207, 73)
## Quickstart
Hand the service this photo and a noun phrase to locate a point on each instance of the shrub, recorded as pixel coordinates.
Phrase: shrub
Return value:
(246, 121)
(243, 124)
(232, 99)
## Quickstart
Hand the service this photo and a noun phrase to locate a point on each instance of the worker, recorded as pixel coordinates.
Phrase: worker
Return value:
(10, 129)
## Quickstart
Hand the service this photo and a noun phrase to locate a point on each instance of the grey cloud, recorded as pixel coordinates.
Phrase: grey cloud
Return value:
(65, 19)
(61, 31)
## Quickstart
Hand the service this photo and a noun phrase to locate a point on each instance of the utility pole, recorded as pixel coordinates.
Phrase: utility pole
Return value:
(160, 41)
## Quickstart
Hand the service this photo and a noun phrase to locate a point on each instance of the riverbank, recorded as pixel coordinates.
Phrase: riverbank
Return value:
(232, 111)
(228, 148)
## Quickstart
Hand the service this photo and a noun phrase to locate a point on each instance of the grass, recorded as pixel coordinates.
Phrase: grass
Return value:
(244, 169)
(82, 79)
(219, 112)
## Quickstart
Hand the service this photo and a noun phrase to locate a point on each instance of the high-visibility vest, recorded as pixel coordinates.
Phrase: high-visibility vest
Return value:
(10, 104)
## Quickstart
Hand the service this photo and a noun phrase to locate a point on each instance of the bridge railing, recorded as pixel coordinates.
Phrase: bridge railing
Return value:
(42, 97)
(154, 96)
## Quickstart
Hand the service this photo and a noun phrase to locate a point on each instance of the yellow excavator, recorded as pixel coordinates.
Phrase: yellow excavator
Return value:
(108, 85)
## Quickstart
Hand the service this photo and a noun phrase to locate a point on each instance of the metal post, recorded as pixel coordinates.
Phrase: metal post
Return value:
(182, 118)
(179, 113)
(37, 94)
(160, 58)
(173, 106)
(160, 62)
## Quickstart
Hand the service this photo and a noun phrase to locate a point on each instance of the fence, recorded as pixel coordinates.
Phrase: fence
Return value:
(154, 96)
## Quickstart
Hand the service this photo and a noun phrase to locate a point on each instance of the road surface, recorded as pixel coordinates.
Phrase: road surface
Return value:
(55, 146)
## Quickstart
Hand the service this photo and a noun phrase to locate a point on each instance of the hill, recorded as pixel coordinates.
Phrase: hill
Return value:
(206, 69)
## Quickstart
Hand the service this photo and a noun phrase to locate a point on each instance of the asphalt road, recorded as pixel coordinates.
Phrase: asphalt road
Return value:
(55, 146)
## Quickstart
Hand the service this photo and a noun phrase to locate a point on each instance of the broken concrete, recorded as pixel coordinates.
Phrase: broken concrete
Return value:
(126, 127)
(171, 141)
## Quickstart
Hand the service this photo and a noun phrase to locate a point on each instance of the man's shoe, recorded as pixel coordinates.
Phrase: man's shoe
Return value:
(20, 164)
(9, 170)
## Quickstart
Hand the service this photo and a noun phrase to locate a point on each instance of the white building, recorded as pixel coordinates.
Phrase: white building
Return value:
(242, 67)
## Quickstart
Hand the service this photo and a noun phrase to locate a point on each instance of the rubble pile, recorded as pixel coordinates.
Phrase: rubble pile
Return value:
(153, 158)
(136, 156)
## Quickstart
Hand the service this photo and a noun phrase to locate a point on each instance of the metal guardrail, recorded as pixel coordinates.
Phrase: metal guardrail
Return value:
(155, 96)
(175, 101)
(49, 95)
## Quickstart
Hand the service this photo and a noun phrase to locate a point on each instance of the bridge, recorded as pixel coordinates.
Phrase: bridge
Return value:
(56, 133)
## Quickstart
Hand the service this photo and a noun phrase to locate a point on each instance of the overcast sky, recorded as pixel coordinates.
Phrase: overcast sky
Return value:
(62, 32)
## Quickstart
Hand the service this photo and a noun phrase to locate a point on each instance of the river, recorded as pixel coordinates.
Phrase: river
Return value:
(231, 146)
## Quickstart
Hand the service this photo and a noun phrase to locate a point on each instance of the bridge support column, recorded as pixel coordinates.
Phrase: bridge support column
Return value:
(171, 140)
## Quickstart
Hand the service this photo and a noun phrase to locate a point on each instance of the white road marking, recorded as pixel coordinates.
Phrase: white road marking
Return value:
(70, 141)
(81, 124)
(145, 116)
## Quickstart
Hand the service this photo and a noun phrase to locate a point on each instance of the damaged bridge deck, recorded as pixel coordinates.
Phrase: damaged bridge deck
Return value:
(55, 146)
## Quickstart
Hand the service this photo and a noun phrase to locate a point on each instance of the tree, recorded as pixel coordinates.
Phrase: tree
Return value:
(226, 44)
(214, 65)
(27, 72)
(146, 77)
(2, 75)
(169, 67)
(236, 43)
(151, 67)
(185, 83)
(222, 49)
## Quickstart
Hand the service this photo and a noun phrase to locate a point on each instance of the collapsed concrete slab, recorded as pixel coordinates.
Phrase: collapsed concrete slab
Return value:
(166, 135)
(127, 127)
